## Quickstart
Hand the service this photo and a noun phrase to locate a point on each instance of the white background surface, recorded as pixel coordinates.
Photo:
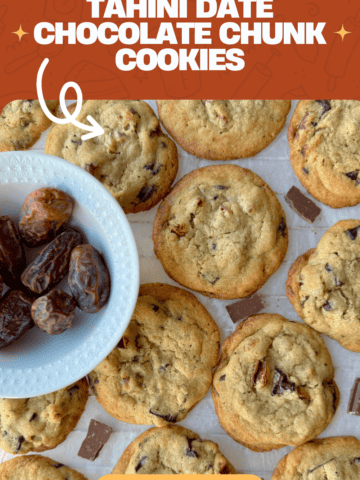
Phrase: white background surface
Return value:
(273, 165)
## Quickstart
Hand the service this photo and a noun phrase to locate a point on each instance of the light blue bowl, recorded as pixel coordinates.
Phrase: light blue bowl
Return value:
(39, 363)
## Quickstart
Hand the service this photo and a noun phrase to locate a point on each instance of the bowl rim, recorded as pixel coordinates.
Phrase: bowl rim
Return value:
(15, 163)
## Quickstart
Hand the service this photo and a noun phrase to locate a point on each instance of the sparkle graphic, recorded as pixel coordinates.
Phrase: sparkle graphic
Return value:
(20, 33)
(342, 32)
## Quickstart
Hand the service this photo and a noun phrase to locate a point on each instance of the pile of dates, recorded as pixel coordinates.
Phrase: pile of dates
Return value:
(32, 297)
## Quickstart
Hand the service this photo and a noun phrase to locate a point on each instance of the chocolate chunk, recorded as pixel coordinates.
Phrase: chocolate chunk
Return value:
(57, 465)
(221, 187)
(354, 400)
(78, 142)
(146, 193)
(352, 233)
(281, 383)
(134, 112)
(155, 308)
(302, 205)
(306, 171)
(168, 418)
(189, 451)
(326, 106)
(90, 167)
(141, 463)
(328, 268)
(303, 150)
(245, 307)
(356, 461)
(33, 416)
(328, 307)
(121, 344)
(282, 227)
(21, 440)
(163, 144)
(164, 367)
(97, 435)
(225, 470)
(260, 374)
(222, 378)
(353, 176)
(150, 166)
(314, 124)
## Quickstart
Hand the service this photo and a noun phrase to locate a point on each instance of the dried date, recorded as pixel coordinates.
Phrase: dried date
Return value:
(43, 214)
(52, 264)
(89, 279)
(1, 286)
(12, 258)
(53, 312)
(15, 316)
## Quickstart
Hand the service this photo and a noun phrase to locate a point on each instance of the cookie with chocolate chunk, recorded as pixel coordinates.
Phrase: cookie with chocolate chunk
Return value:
(41, 423)
(221, 231)
(133, 159)
(323, 285)
(324, 143)
(22, 122)
(223, 129)
(328, 458)
(162, 367)
(36, 467)
(274, 384)
(172, 449)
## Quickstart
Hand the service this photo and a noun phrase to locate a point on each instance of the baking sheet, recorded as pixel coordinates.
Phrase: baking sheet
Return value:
(273, 165)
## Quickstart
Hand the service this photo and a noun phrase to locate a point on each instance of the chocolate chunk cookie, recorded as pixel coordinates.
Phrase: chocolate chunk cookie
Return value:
(22, 122)
(170, 450)
(334, 458)
(221, 231)
(41, 423)
(133, 159)
(274, 385)
(324, 285)
(324, 143)
(162, 367)
(36, 467)
(223, 129)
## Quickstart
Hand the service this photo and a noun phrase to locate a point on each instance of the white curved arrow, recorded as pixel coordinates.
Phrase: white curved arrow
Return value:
(95, 129)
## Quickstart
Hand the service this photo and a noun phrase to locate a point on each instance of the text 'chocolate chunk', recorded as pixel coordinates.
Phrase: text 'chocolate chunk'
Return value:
(52, 264)
(245, 308)
(354, 401)
(97, 435)
(43, 214)
(302, 205)
(89, 279)
(15, 317)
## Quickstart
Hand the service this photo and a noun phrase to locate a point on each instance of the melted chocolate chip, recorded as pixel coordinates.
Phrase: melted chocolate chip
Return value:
(121, 344)
(57, 465)
(303, 150)
(164, 367)
(150, 166)
(281, 383)
(90, 167)
(209, 466)
(192, 216)
(167, 418)
(213, 246)
(78, 142)
(352, 232)
(338, 283)
(328, 268)
(21, 440)
(163, 144)
(225, 470)
(33, 416)
(141, 463)
(216, 197)
(134, 112)
(353, 176)
(326, 106)
(356, 461)
(189, 451)
(306, 171)
(282, 227)
(328, 307)
(221, 187)
(305, 300)
(155, 308)
(73, 389)
(146, 192)
(214, 281)
(314, 124)
(222, 378)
